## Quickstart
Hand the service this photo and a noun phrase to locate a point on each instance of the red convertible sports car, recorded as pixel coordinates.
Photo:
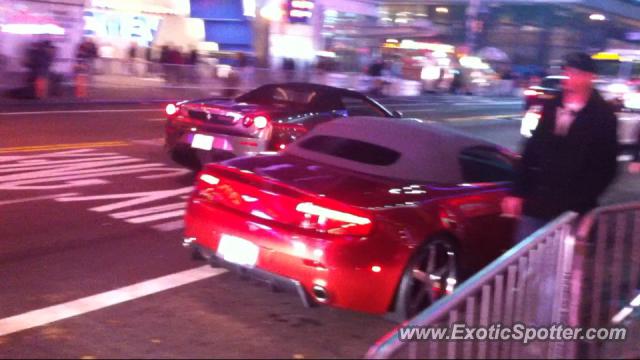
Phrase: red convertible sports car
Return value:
(265, 119)
(371, 214)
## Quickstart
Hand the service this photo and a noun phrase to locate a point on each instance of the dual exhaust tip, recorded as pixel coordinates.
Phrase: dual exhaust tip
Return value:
(320, 294)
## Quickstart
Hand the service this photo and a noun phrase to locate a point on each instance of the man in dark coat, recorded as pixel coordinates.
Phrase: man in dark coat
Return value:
(572, 156)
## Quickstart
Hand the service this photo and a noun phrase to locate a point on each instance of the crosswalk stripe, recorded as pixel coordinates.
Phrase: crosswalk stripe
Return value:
(154, 217)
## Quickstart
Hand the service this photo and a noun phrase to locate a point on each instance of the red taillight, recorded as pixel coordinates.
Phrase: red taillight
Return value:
(332, 221)
(260, 121)
(171, 109)
(272, 201)
(282, 146)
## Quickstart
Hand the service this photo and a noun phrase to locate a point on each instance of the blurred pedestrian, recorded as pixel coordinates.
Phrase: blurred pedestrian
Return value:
(149, 58)
(289, 67)
(164, 61)
(86, 55)
(634, 165)
(132, 54)
(375, 71)
(192, 60)
(572, 156)
(38, 60)
(176, 61)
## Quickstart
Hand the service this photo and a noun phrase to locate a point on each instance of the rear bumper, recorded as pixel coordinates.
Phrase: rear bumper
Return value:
(180, 138)
(336, 272)
(275, 281)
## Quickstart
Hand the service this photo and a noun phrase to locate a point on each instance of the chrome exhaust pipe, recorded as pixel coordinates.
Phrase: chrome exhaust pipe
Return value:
(320, 294)
(188, 241)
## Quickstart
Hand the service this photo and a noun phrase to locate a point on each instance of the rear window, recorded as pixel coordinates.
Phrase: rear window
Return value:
(354, 150)
(283, 95)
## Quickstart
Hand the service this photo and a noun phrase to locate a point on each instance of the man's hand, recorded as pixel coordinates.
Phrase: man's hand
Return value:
(634, 168)
(511, 206)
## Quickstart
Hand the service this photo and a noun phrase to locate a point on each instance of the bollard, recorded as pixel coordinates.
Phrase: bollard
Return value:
(41, 85)
(81, 85)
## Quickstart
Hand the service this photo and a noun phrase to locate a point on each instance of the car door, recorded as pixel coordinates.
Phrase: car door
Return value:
(490, 170)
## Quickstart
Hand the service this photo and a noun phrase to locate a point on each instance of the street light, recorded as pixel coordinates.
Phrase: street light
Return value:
(597, 17)
(442, 10)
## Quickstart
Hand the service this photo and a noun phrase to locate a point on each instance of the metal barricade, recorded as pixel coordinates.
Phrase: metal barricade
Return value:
(606, 277)
(528, 284)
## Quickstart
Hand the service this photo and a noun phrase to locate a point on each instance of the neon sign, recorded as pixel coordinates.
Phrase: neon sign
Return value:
(300, 11)
(140, 28)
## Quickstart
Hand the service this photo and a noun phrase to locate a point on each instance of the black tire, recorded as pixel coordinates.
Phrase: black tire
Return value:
(427, 278)
(197, 255)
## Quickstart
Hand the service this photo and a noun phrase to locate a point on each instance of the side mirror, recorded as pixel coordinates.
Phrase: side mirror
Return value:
(397, 114)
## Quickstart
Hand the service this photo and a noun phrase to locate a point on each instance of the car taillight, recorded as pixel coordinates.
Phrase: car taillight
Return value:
(260, 121)
(171, 109)
(333, 221)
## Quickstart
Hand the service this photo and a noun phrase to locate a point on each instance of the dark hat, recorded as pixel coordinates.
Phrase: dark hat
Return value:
(580, 61)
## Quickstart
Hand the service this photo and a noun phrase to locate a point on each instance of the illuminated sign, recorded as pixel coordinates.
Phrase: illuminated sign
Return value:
(300, 11)
(32, 29)
(134, 27)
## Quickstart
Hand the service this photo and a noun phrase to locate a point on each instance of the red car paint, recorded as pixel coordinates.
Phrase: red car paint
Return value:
(255, 199)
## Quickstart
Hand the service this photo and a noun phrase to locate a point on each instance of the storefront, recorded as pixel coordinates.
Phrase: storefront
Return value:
(22, 23)
(303, 30)
(116, 25)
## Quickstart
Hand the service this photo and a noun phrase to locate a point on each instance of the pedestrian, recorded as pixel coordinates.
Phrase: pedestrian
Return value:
(86, 54)
(289, 67)
(176, 61)
(38, 59)
(634, 165)
(572, 156)
(192, 59)
(132, 54)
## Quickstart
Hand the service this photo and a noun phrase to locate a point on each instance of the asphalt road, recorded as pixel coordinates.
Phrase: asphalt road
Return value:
(91, 262)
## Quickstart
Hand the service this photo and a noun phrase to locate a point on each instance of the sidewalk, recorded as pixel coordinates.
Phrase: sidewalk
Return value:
(142, 89)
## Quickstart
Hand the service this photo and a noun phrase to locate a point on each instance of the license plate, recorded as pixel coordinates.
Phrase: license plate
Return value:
(238, 251)
(204, 142)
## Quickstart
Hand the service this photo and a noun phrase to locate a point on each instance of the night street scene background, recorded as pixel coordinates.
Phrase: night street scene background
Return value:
(305, 178)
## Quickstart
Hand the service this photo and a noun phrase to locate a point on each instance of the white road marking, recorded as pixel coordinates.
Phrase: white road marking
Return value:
(161, 216)
(88, 304)
(80, 111)
(156, 141)
(134, 198)
(170, 226)
(147, 211)
(35, 198)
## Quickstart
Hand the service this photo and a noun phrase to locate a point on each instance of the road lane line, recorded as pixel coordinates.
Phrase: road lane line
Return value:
(149, 210)
(54, 147)
(88, 304)
(35, 198)
(161, 216)
(158, 110)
